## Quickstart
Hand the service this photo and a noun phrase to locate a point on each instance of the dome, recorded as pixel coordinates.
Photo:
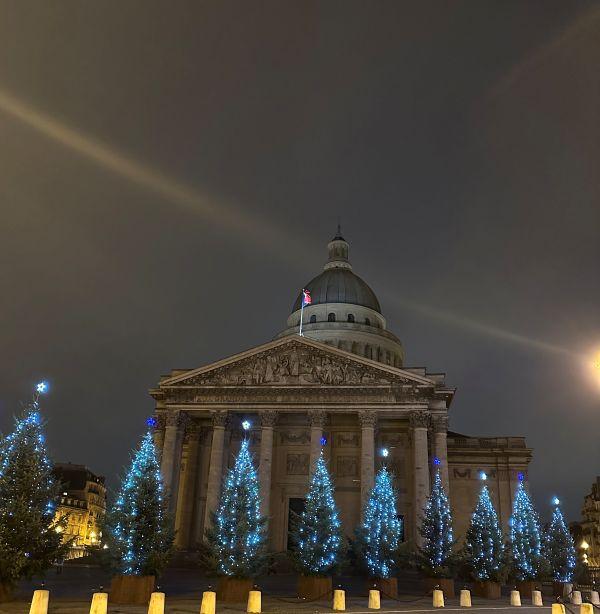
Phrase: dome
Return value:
(340, 285)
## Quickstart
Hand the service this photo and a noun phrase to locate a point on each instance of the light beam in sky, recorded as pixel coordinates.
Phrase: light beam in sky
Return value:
(246, 226)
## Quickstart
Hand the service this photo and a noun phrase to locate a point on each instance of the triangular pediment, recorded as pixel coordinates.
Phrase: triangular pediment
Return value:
(296, 361)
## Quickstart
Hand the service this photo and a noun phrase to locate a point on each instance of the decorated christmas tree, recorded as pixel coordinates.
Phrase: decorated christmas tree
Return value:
(380, 534)
(525, 536)
(559, 549)
(317, 535)
(238, 536)
(484, 547)
(30, 540)
(138, 529)
(435, 555)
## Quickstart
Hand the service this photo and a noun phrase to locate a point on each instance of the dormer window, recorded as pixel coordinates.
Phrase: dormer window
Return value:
(367, 322)
(331, 317)
(313, 319)
(350, 317)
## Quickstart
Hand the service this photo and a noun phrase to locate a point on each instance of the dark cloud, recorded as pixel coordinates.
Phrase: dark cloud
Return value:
(458, 141)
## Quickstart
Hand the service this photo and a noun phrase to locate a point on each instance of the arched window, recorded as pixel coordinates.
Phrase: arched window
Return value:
(313, 319)
(367, 322)
(331, 317)
(350, 317)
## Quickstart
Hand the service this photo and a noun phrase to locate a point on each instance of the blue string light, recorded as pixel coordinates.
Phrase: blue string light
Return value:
(525, 535)
(559, 548)
(484, 542)
(318, 537)
(240, 531)
(380, 533)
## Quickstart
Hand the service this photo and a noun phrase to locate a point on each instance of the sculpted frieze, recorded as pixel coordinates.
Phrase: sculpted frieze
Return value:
(347, 440)
(297, 464)
(295, 437)
(347, 466)
(293, 366)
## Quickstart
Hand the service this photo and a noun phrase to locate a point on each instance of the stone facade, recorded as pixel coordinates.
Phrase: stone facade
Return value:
(590, 526)
(343, 383)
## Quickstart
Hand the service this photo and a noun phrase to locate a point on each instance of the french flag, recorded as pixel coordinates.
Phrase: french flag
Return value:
(306, 299)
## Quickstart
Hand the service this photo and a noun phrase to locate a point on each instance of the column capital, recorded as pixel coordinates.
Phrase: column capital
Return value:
(440, 424)
(367, 419)
(317, 417)
(193, 430)
(159, 422)
(419, 419)
(220, 419)
(176, 419)
(268, 418)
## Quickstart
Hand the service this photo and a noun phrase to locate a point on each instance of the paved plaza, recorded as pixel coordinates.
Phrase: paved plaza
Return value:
(71, 591)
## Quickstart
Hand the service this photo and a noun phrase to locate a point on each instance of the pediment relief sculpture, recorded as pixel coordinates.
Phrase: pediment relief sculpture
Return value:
(293, 366)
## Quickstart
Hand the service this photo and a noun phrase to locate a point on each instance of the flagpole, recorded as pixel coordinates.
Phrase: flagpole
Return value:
(301, 310)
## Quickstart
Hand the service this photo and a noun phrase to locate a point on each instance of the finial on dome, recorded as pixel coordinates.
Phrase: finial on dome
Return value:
(338, 251)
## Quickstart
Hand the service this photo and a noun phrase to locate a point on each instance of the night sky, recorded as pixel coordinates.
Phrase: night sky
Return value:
(170, 174)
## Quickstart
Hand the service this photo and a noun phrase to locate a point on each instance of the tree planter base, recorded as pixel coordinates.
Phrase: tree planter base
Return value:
(6, 592)
(132, 589)
(388, 587)
(487, 589)
(526, 588)
(314, 587)
(445, 584)
(233, 590)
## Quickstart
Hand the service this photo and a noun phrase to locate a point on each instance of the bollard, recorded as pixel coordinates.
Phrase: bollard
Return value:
(99, 603)
(438, 598)
(515, 598)
(576, 597)
(157, 603)
(209, 602)
(254, 602)
(465, 598)
(39, 602)
(586, 608)
(374, 599)
(594, 598)
(536, 598)
(558, 608)
(339, 600)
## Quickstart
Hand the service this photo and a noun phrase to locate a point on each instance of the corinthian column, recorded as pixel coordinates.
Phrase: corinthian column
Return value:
(215, 468)
(171, 457)
(419, 422)
(440, 442)
(317, 422)
(268, 420)
(184, 520)
(368, 419)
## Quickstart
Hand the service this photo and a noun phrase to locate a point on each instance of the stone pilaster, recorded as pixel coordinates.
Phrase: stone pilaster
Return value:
(187, 496)
(268, 419)
(317, 419)
(171, 456)
(201, 485)
(440, 445)
(368, 420)
(215, 469)
(419, 423)
(158, 433)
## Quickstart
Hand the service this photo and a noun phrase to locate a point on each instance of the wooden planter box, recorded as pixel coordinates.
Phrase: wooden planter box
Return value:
(526, 587)
(487, 589)
(6, 592)
(445, 584)
(315, 587)
(388, 587)
(131, 589)
(233, 590)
